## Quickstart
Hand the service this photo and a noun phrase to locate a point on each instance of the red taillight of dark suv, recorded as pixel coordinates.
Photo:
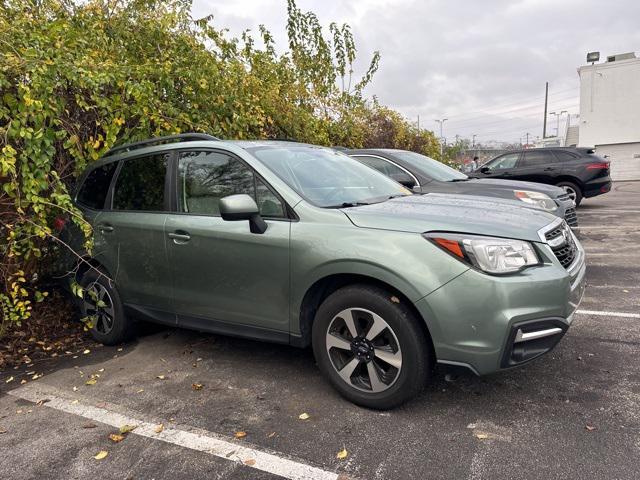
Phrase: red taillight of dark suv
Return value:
(598, 166)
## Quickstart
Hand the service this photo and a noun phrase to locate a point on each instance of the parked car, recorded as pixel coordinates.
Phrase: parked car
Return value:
(303, 245)
(579, 171)
(426, 175)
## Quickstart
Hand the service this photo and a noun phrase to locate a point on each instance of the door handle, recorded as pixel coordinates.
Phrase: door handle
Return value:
(180, 237)
(105, 228)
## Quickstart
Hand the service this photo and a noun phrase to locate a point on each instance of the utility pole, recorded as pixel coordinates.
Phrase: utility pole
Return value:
(441, 122)
(473, 141)
(546, 100)
(558, 115)
(527, 144)
(418, 122)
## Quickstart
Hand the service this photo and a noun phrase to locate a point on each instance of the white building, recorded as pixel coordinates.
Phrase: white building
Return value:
(610, 113)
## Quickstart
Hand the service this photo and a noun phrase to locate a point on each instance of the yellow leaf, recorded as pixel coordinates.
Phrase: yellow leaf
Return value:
(116, 437)
(342, 454)
(101, 454)
(197, 386)
(160, 377)
(303, 416)
(251, 462)
(127, 428)
(482, 436)
(10, 379)
(140, 391)
(159, 428)
(240, 434)
(87, 351)
(91, 381)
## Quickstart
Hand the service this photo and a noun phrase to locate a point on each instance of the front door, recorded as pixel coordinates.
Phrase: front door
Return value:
(500, 167)
(226, 277)
(130, 237)
(537, 165)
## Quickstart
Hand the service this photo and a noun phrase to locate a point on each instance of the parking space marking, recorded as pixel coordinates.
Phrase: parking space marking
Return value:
(608, 314)
(203, 441)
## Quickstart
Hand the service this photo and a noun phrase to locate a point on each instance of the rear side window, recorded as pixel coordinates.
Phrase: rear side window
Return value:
(140, 184)
(93, 191)
(564, 156)
(504, 162)
(533, 158)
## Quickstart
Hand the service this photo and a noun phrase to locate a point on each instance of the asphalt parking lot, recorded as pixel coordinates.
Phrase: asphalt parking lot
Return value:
(572, 414)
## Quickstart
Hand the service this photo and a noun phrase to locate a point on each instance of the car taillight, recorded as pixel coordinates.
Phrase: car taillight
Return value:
(59, 223)
(598, 166)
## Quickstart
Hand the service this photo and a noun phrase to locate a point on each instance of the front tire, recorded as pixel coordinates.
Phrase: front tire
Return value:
(573, 190)
(101, 304)
(371, 347)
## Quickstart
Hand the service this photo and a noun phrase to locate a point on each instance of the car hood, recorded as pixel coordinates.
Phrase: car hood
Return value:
(452, 213)
(498, 185)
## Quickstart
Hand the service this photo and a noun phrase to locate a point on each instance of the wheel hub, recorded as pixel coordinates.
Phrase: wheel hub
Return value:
(363, 349)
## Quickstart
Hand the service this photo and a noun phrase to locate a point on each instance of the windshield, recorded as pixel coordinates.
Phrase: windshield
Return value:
(430, 167)
(328, 178)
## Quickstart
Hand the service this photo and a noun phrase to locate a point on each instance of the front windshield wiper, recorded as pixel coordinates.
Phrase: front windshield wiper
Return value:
(348, 204)
(459, 179)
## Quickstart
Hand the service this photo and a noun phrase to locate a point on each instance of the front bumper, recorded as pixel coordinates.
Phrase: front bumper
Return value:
(488, 323)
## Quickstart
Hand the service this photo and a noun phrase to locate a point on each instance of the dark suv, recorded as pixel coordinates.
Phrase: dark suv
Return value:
(578, 170)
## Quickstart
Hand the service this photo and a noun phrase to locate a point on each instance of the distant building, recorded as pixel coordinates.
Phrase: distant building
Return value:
(610, 113)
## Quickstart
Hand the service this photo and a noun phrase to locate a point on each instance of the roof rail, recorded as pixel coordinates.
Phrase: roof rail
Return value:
(182, 137)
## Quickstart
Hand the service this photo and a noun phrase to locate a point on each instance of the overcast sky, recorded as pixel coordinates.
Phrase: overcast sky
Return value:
(481, 64)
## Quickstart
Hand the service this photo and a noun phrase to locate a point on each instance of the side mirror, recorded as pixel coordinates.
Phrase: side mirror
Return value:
(242, 207)
(403, 179)
(485, 169)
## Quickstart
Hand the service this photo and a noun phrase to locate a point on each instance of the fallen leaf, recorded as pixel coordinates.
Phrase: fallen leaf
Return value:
(89, 425)
(160, 377)
(85, 353)
(395, 299)
(42, 402)
(271, 435)
(140, 391)
(116, 437)
(342, 454)
(120, 349)
(2, 430)
(590, 428)
(197, 386)
(159, 428)
(101, 370)
(303, 416)
(75, 389)
(482, 436)
(75, 402)
(127, 428)
(23, 381)
(91, 381)
(240, 434)
(101, 454)
(10, 379)
(251, 462)
(36, 376)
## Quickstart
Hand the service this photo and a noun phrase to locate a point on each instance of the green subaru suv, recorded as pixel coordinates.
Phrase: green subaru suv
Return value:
(302, 245)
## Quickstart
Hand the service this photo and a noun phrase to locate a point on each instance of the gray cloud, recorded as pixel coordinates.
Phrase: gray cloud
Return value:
(482, 64)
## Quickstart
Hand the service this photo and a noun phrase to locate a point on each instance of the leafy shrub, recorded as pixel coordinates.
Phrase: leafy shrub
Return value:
(78, 77)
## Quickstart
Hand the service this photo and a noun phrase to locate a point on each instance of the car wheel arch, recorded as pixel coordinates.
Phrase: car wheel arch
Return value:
(327, 285)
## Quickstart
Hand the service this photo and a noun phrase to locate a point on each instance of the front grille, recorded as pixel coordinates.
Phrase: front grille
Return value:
(561, 242)
(571, 217)
(564, 197)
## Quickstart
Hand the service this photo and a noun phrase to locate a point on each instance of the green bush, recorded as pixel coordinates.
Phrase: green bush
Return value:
(78, 77)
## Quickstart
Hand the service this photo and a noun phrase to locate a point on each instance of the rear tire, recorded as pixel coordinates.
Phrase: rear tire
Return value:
(110, 325)
(573, 190)
(387, 361)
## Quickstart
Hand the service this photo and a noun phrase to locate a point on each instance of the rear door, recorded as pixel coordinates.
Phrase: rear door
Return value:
(129, 234)
(226, 277)
(537, 165)
(500, 167)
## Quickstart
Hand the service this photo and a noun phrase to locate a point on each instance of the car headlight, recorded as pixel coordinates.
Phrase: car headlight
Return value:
(489, 254)
(537, 199)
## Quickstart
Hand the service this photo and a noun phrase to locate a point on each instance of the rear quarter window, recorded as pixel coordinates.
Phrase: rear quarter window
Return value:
(564, 156)
(93, 191)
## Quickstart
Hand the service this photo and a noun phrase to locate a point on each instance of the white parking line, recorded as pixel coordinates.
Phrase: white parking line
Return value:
(609, 314)
(203, 441)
